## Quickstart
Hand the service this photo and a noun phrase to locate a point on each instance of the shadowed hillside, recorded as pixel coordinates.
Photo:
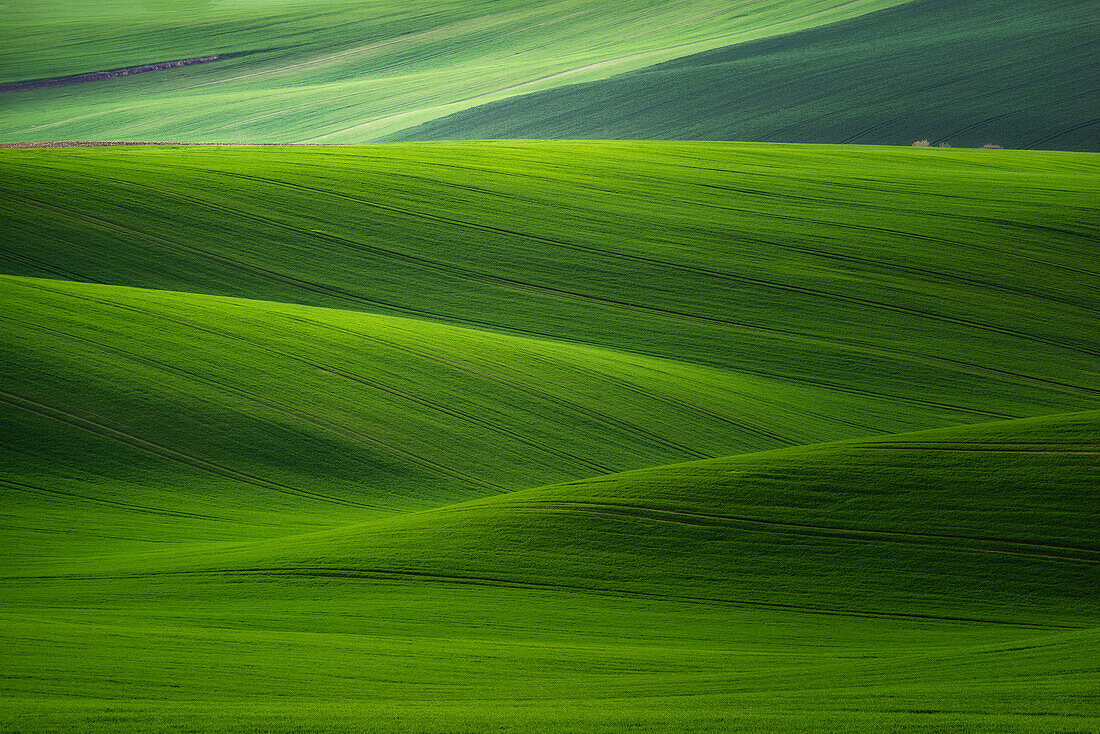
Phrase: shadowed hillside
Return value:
(1019, 74)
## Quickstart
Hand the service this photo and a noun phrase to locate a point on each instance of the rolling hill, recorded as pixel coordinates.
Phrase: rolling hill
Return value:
(334, 70)
(764, 260)
(571, 436)
(1018, 74)
(868, 585)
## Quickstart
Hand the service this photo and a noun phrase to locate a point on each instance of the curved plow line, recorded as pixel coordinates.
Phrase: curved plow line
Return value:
(407, 575)
(32, 489)
(652, 261)
(377, 442)
(475, 275)
(322, 423)
(825, 531)
(519, 387)
(164, 452)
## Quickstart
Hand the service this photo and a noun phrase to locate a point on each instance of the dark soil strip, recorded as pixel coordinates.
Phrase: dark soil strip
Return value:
(98, 76)
(109, 143)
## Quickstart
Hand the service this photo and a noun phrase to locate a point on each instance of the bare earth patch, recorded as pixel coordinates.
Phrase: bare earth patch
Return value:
(97, 76)
(108, 143)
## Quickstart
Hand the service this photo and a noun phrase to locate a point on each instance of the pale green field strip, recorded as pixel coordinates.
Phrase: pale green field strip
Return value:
(341, 71)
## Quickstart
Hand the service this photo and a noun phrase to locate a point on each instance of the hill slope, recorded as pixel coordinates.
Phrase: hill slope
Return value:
(1020, 74)
(335, 70)
(273, 417)
(973, 266)
(867, 585)
(331, 439)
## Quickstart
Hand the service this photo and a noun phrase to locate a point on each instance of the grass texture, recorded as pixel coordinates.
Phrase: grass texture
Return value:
(922, 582)
(572, 437)
(1018, 74)
(339, 70)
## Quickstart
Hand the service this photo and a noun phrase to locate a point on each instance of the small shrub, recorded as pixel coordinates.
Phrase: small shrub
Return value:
(945, 144)
(921, 144)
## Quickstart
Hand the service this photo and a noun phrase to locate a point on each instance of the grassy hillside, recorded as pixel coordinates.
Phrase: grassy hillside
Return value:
(561, 437)
(1019, 74)
(270, 416)
(339, 70)
(924, 582)
(974, 267)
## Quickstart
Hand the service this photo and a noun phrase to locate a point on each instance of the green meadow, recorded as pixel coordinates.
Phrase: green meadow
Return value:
(549, 436)
(1015, 73)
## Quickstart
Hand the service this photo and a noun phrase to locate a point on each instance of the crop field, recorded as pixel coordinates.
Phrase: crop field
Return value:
(1016, 73)
(549, 436)
(549, 366)
(337, 71)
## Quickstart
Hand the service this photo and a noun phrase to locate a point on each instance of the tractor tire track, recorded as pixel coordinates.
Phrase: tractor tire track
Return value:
(665, 264)
(383, 574)
(605, 418)
(164, 452)
(409, 455)
(829, 531)
(146, 509)
(313, 419)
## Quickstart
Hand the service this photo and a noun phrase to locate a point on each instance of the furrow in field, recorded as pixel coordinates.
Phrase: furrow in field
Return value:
(281, 407)
(402, 394)
(129, 506)
(647, 435)
(695, 270)
(386, 574)
(96, 76)
(404, 453)
(165, 452)
(931, 540)
(1055, 135)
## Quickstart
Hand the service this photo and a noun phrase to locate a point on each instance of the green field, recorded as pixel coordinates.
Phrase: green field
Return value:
(340, 70)
(549, 436)
(1016, 73)
(845, 586)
